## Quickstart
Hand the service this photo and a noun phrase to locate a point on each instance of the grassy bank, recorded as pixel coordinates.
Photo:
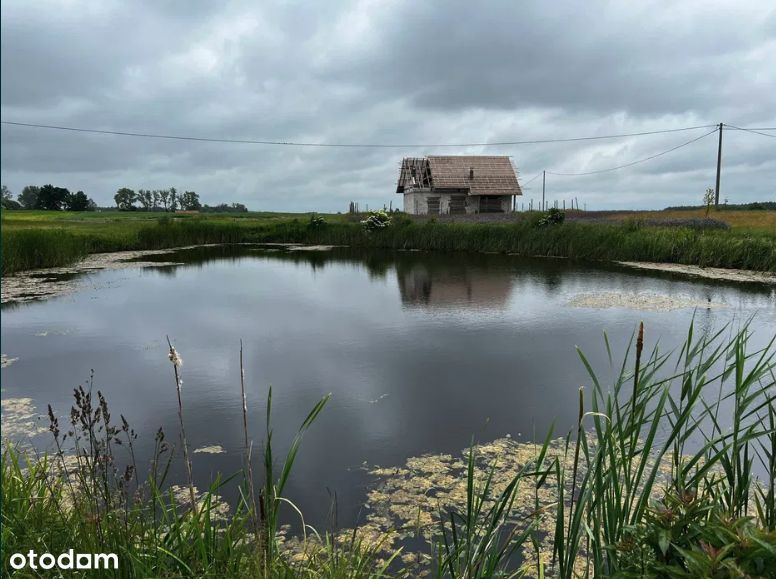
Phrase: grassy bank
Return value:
(622, 242)
(31, 239)
(657, 479)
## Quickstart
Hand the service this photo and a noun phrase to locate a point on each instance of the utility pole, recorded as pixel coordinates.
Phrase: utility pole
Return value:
(719, 166)
(544, 174)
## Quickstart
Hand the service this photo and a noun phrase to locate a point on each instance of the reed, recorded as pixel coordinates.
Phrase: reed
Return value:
(636, 454)
(33, 249)
(39, 244)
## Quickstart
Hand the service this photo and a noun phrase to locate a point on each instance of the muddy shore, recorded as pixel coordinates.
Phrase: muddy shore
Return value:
(718, 273)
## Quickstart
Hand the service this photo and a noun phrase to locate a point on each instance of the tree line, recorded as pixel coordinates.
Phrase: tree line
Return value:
(53, 198)
(156, 200)
(48, 197)
(168, 200)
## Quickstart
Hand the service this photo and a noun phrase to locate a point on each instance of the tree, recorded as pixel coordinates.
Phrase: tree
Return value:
(52, 198)
(8, 201)
(708, 199)
(155, 196)
(125, 199)
(144, 197)
(78, 202)
(173, 199)
(164, 195)
(11, 204)
(190, 201)
(29, 196)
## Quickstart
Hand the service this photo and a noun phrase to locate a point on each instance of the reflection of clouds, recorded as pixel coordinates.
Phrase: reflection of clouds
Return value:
(456, 286)
(454, 344)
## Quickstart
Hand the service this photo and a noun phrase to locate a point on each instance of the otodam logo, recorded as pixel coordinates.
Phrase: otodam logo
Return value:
(68, 560)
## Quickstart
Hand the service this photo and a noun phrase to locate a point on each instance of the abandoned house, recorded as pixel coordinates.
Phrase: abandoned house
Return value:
(457, 184)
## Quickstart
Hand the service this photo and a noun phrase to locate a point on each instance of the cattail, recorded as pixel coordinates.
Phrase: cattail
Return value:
(177, 362)
(639, 349)
(175, 357)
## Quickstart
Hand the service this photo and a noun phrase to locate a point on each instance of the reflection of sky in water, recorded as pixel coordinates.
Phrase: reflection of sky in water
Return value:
(421, 351)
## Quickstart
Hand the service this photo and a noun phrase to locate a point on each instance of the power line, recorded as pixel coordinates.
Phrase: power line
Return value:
(635, 162)
(757, 130)
(345, 145)
(531, 179)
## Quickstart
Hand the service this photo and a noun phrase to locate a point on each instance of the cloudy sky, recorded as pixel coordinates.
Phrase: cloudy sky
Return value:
(388, 72)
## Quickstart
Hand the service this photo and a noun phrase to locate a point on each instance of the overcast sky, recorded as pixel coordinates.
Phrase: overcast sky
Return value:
(387, 72)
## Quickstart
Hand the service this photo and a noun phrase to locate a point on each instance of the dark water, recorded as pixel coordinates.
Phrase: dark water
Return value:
(421, 351)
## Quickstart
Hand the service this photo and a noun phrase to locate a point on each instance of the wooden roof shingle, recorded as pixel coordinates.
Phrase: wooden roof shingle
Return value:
(480, 174)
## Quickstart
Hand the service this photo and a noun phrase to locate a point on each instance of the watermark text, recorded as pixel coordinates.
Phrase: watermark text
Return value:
(68, 560)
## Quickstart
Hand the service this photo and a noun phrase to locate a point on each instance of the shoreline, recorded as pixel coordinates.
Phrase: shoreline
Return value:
(44, 283)
(35, 284)
(714, 273)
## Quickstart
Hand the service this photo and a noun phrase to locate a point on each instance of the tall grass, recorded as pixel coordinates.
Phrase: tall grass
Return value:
(26, 247)
(669, 472)
(32, 249)
(682, 420)
(599, 241)
(79, 498)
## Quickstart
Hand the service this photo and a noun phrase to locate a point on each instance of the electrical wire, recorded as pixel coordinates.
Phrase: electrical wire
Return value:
(531, 179)
(756, 131)
(634, 162)
(346, 145)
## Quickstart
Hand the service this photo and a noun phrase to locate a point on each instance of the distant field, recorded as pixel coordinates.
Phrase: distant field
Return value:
(34, 239)
(764, 221)
(93, 221)
(761, 222)
(100, 220)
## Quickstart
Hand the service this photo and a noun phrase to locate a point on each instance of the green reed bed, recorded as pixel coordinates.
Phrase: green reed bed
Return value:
(620, 242)
(599, 241)
(32, 249)
(55, 242)
(670, 472)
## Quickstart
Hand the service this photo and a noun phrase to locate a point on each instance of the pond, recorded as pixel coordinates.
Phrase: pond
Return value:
(422, 352)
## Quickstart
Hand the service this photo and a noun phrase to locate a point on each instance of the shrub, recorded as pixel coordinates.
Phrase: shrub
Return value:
(376, 220)
(316, 221)
(690, 534)
(552, 216)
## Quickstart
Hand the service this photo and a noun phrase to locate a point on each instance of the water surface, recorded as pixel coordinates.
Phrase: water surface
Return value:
(421, 351)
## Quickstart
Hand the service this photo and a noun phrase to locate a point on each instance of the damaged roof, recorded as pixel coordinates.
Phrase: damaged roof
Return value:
(480, 174)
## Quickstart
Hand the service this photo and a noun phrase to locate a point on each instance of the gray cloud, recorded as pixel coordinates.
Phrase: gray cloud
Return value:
(386, 72)
(597, 56)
